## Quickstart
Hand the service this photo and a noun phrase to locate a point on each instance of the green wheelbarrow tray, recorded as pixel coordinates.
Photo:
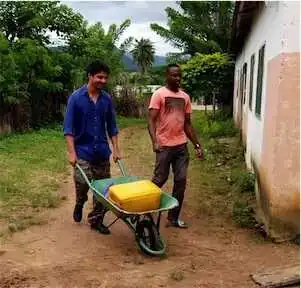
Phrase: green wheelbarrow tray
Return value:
(141, 223)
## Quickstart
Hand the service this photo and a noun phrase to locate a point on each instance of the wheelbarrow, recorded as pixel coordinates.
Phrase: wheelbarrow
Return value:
(142, 224)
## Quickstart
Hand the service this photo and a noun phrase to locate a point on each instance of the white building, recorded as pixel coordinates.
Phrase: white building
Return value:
(265, 41)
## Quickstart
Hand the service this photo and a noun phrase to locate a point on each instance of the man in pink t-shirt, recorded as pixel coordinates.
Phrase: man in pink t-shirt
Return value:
(169, 126)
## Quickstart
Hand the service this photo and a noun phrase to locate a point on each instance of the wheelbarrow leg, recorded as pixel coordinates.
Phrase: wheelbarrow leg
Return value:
(156, 224)
(116, 219)
(158, 221)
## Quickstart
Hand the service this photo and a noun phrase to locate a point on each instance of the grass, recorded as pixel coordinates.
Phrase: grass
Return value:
(124, 122)
(214, 127)
(32, 166)
(222, 184)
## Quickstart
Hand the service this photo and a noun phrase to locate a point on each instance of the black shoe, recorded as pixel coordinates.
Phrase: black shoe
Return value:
(101, 228)
(78, 213)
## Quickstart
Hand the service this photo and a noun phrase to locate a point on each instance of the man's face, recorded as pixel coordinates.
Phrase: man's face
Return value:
(174, 77)
(99, 80)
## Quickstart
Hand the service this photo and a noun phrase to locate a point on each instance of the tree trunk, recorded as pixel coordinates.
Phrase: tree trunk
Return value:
(213, 103)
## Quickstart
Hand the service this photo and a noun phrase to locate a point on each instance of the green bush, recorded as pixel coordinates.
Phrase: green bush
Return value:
(221, 115)
(244, 181)
(209, 127)
(216, 129)
(243, 214)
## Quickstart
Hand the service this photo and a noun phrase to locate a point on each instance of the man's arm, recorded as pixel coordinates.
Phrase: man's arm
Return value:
(152, 119)
(190, 132)
(113, 132)
(72, 158)
(68, 131)
(116, 151)
(154, 110)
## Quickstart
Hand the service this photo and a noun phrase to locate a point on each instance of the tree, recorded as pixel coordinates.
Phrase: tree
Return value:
(35, 77)
(209, 76)
(39, 73)
(90, 43)
(31, 74)
(201, 26)
(22, 19)
(157, 75)
(11, 90)
(143, 54)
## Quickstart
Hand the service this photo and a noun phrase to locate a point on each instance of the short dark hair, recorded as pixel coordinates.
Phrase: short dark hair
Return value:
(96, 67)
(172, 65)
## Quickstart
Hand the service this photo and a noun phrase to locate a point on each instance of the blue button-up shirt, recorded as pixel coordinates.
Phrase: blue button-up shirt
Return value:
(89, 123)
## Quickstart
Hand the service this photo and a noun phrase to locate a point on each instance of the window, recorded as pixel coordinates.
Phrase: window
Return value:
(240, 84)
(237, 83)
(259, 81)
(251, 81)
(244, 82)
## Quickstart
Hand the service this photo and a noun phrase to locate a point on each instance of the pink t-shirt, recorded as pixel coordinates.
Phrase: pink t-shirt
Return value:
(170, 124)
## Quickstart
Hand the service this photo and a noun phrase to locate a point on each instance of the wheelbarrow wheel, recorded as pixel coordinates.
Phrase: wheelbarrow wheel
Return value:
(149, 239)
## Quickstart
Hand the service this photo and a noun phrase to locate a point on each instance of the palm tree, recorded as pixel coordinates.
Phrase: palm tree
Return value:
(143, 54)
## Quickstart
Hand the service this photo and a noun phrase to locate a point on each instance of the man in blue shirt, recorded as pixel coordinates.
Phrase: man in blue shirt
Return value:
(89, 118)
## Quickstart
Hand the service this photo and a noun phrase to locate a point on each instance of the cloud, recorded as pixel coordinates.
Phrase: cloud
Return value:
(141, 13)
(117, 11)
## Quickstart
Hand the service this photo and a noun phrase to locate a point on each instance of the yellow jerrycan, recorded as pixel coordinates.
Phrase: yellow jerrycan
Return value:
(137, 196)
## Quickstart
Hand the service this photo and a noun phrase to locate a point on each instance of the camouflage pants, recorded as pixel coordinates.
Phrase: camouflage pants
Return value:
(100, 170)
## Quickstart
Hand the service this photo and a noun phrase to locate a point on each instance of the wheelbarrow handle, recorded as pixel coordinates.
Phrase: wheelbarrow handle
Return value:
(83, 174)
(120, 165)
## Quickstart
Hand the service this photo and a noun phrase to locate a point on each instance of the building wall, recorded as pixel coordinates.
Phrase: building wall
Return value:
(280, 159)
(272, 140)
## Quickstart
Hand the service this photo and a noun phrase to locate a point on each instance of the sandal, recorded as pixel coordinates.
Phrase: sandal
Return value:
(177, 223)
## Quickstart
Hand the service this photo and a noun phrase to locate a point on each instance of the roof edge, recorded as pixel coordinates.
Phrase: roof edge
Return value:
(244, 14)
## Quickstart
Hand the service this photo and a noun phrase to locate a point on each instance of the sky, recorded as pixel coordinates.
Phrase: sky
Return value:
(141, 13)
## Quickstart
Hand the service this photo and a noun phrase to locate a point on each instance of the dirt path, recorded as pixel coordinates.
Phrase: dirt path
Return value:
(65, 254)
